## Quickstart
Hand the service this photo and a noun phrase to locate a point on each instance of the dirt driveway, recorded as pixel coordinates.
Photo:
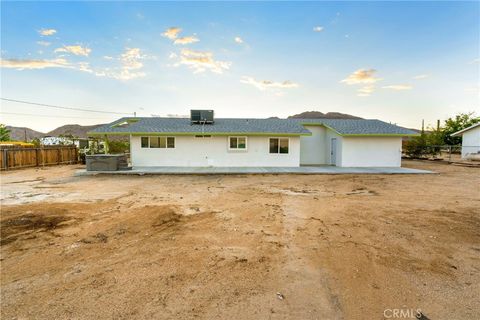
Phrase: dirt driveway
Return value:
(240, 247)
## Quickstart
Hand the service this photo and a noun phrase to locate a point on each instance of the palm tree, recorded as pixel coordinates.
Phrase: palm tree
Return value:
(4, 133)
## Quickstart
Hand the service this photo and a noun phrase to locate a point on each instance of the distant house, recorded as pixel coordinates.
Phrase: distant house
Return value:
(55, 141)
(205, 141)
(470, 140)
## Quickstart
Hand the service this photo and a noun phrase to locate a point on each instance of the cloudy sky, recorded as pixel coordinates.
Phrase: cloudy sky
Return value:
(398, 62)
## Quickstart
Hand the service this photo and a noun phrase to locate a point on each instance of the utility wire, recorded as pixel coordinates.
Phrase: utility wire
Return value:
(61, 107)
(49, 116)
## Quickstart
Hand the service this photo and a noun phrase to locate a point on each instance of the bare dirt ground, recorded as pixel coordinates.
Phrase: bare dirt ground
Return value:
(240, 247)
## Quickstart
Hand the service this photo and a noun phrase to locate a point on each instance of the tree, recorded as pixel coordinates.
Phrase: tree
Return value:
(4, 133)
(36, 142)
(459, 122)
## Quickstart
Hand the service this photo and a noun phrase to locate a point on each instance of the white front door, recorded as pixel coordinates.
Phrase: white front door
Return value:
(333, 151)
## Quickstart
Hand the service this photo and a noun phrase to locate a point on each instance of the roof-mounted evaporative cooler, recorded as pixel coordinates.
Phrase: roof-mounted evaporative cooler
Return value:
(201, 116)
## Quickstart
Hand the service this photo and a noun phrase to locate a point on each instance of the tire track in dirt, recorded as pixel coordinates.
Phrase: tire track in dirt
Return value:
(307, 289)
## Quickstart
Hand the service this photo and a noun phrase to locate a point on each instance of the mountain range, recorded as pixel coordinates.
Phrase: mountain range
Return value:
(76, 130)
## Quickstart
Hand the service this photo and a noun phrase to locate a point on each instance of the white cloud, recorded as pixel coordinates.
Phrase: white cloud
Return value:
(85, 67)
(366, 91)
(238, 40)
(318, 29)
(267, 84)
(365, 77)
(44, 43)
(474, 61)
(200, 61)
(421, 76)
(22, 64)
(131, 58)
(398, 87)
(186, 40)
(25, 64)
(76, 50)
(47, 32)
(131, 65)
(131, 61)
(172, 33)
(362, 76)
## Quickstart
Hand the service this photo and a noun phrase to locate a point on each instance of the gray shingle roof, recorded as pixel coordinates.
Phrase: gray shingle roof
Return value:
(250, 126)
(221, 126)
(360, 126)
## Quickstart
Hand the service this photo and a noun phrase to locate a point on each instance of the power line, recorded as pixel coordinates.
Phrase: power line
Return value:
(44, 115)
(62, 107)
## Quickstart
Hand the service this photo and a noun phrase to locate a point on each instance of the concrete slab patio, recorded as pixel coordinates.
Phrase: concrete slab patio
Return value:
(258, 170)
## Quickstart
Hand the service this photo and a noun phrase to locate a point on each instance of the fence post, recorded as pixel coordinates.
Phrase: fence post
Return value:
(5, 158)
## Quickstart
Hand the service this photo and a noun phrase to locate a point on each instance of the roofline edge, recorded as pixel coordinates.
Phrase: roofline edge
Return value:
(273, 134)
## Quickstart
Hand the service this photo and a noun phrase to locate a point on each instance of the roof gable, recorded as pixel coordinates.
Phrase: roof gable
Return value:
(459, 133)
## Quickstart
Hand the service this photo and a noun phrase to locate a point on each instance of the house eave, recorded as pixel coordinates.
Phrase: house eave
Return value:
(382, 135)
(270, 134)
(360, 134)
(461, 132)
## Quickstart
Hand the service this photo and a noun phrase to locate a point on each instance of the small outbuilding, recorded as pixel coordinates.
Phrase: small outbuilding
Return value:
(470, 141)
(205, 141)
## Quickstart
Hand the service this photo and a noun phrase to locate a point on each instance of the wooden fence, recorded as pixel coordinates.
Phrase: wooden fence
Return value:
(13, 158)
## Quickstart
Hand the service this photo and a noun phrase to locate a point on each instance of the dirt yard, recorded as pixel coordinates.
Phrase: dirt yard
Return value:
(240, 247)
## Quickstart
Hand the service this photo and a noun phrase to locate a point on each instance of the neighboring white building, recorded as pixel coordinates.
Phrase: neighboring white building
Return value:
(187, 142)
(56, 141)
(470, 141)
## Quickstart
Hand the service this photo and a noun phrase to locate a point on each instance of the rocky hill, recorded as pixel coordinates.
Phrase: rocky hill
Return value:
(74, 130)
(318, 114)
(23, 133)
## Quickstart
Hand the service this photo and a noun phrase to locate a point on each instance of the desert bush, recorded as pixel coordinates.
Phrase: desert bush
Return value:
(118, 146)
(424, 146)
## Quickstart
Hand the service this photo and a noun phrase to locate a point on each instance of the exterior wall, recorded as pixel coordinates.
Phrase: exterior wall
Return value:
(313, 149)
(317, 148)
(471, 142)
(371, 152)
(213, 151)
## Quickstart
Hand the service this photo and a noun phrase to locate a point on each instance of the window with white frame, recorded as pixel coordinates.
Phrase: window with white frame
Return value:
(237, 143)
(279, 145)
(158, 142)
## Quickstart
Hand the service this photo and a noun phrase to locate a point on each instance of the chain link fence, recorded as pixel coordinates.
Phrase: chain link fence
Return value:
(448, 153)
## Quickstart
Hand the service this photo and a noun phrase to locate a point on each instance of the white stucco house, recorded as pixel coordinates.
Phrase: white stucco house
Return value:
(156, 141)
(470, 141)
